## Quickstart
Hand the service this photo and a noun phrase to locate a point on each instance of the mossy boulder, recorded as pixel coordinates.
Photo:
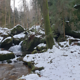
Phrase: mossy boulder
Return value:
(7, 43)
(17, 29)
(41, 48)
(4, 35)
(29, 64)
(18, 38)
(16, 41)
(9, 61)
(29, 44)
(35, 51)
(6, 56)
(73, 40)
(60, 38)
(37, 68)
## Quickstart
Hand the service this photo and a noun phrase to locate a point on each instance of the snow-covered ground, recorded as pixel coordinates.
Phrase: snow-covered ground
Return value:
(59, 63)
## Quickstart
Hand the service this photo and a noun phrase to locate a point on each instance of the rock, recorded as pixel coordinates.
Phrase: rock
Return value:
(18, 38)
(5, 55)
(4, 32)
(29, 64)
(73, 40)
(77, 6)
(17, 29)
(4, 35)
(41, 48)
(60, 38)
(37, 68)
(35, 51)
(16, 41)
(9, 61)
(7, 43)
(29, 44)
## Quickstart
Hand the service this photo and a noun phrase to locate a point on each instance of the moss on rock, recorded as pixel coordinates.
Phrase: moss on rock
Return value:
(35, 51)
(16, 30)
(9, 61)
(37, 68)
(29, 44)
(16, 40)
(29, 64)
(33, 68)
(6, 56)
(7, 43)
(72, 40)
(41, 48)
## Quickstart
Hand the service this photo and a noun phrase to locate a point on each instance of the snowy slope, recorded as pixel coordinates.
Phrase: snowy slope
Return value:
(59, 64)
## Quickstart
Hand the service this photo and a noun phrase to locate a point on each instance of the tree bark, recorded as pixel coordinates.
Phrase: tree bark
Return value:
(64, 28)
(14, 12)
(5, 13)
(48, 32)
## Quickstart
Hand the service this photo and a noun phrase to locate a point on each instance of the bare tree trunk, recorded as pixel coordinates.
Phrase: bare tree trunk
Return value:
(9, 16)
(9, 19)
(14, 12)
(64, 28)
(25, 13)
(5, 13)
(48, 32)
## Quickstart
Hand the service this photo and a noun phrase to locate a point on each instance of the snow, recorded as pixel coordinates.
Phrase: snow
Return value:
(38, 36)
(75, 5)
(1, 38)
(33, 76)
(37, 27)
(6, 39)
(77, 31)
(4, 52)
(67, 21)
(21, 35)
(16, 49)
(59, 63)
(16, 26)
(42, 45)
(42, 32)
(33, 33)
(4, 31)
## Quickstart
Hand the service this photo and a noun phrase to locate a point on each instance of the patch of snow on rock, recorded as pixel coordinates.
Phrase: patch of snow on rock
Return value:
(1, 38)
(4, 52)
(38, 36)
(42, 32)
(42, 45)
(21, 35)
(37, 27)
(6, 39)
